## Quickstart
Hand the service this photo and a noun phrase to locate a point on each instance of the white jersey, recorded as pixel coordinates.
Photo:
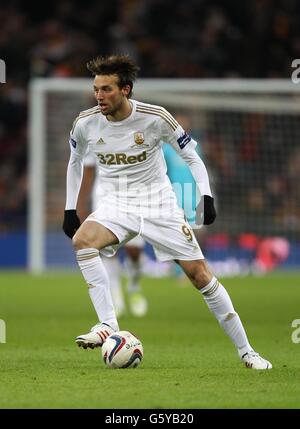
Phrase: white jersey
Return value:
(131, 165)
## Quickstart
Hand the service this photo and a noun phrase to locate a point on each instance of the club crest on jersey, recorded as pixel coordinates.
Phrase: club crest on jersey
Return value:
(139, 138)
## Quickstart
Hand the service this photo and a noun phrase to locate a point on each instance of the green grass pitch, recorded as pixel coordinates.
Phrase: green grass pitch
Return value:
(188, 362)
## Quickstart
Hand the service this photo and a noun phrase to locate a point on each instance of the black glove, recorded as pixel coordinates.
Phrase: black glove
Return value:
(71, 222)
(209, 210)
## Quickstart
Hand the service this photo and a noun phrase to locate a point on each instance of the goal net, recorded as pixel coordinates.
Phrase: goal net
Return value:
(248, 133)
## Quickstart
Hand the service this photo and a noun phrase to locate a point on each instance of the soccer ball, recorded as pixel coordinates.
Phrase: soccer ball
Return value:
(122, 350)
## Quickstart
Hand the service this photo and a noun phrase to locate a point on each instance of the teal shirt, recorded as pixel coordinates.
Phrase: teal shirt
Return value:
(182, 181)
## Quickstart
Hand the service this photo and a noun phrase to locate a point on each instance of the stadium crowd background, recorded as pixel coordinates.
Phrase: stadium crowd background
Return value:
(168, 38)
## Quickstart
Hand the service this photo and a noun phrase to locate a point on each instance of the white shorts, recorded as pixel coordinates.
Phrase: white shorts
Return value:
(171, 237)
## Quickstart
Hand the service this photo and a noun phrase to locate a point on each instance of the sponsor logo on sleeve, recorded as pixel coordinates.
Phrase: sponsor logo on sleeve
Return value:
(183, 140)
(73, 142)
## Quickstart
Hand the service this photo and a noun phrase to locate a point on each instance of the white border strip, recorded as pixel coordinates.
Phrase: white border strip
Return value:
(36, 169)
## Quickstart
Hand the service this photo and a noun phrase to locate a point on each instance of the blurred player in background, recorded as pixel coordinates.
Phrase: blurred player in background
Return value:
(127, 137)
(90, 197)
(137, 301)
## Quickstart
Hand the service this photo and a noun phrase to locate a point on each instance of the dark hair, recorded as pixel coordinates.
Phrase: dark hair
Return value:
(121, 65)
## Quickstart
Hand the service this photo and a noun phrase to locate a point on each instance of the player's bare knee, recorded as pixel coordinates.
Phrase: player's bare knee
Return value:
(197, 271)
(202, 279)
(80, 241)
(86, 237)
(202, 275)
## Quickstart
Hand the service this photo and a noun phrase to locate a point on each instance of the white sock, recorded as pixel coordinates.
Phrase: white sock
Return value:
(112, 266)
(133, 274)
(220, 304)
(95, 275)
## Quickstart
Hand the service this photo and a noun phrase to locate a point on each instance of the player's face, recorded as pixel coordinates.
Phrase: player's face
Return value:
(108, 94)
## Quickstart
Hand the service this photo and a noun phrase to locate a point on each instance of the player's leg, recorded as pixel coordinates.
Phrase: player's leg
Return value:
(172, 238)
(113, 269)
(88, 240)
(137, 301)
(102, 231)
(219, 303)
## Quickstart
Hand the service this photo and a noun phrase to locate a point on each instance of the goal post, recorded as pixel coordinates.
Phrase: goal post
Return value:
(248, 131)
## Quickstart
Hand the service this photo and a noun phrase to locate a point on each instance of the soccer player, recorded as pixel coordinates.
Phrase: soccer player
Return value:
(127, 135)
